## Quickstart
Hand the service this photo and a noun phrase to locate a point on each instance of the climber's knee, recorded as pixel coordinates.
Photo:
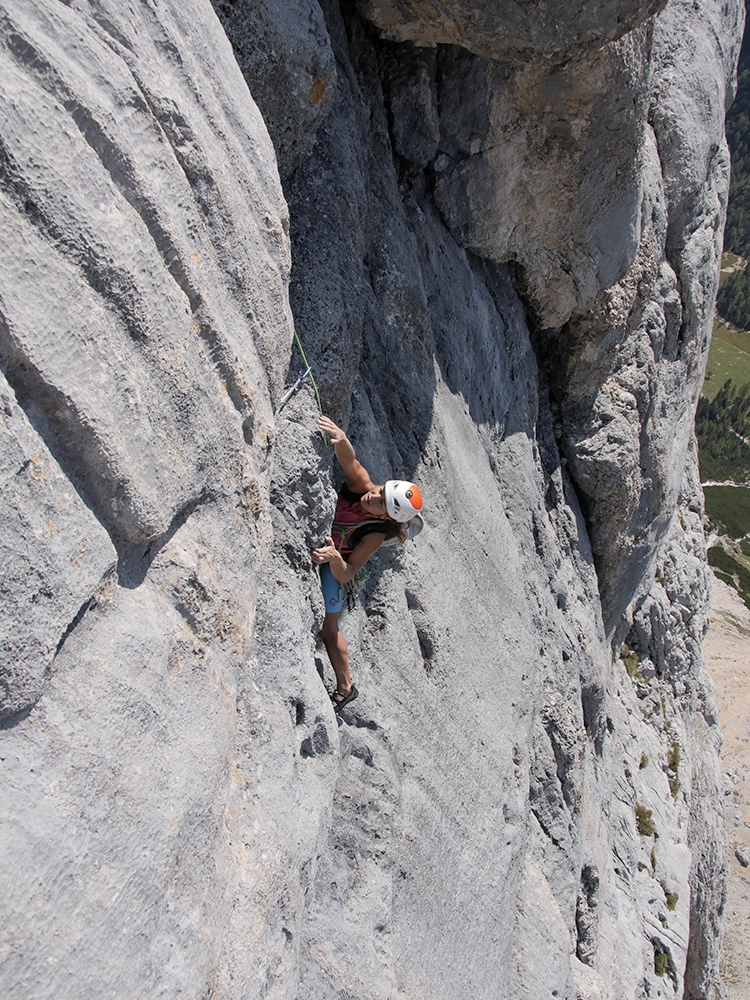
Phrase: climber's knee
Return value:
(329, 628)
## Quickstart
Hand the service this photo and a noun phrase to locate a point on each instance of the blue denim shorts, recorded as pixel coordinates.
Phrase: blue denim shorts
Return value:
(333, 592)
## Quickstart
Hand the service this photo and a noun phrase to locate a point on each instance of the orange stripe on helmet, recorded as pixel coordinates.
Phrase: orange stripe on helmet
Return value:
(414, 497)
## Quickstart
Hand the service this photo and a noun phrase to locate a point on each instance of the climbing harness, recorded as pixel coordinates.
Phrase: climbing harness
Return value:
(352, 588)
(344, 529)
(349, 592)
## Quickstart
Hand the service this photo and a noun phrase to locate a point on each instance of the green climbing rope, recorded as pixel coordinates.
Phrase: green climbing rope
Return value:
(307, 365)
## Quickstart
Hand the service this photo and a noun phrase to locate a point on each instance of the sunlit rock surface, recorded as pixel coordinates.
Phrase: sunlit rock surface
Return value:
(503, 234)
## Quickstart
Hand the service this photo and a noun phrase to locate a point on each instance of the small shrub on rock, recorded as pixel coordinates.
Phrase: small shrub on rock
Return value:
(661, 962)
(644, 821)
(630, 659)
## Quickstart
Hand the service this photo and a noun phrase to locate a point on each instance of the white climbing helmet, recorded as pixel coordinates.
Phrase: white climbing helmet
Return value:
(402, 500)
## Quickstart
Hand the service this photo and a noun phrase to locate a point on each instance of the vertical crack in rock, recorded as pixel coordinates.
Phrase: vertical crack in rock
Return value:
(79, 616)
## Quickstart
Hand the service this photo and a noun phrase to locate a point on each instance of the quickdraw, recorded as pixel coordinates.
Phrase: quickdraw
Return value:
(350, 591)
(293, 390)
(352, 588)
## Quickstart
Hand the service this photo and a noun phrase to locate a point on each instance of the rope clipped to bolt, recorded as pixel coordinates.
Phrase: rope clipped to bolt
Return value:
(294, 389)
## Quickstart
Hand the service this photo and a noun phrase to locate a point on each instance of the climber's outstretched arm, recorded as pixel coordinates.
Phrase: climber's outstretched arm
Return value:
(358, 478)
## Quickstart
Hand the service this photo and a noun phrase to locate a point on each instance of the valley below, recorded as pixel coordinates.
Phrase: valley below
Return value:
(727, 655)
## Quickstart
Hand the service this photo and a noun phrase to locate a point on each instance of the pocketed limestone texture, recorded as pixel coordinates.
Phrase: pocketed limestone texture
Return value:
(497, 239)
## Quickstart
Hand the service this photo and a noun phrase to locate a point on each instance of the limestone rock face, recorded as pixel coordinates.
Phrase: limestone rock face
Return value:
(285, 55)
(501, 28)
(514, 178)
(55, 556)
(630, 389)
(144, 334)
(504, 224)
(123, 342)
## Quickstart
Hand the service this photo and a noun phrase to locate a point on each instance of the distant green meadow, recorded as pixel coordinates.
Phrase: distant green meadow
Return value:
(727, 507)
(728, 357)
(731, 570)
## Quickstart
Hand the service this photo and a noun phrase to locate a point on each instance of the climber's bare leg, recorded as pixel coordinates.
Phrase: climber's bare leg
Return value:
(338, 651)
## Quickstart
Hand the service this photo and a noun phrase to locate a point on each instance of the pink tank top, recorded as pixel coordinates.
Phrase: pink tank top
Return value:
(347, 519)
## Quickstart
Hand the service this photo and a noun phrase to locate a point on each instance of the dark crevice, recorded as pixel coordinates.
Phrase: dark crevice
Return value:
(360, 723)
(11, 721)
(90, 602)
(545, 830)
(565, 763)
(73, 624)
(318, 743)
(426, 646)
(111, 35)
(364, 753)
(587, 915)
(592, 700)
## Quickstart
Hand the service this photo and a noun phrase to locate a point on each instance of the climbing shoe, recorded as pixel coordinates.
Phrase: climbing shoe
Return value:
(338, 700)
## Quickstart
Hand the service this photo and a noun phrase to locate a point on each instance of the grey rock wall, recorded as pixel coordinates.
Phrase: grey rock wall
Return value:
(144, 334)
(502, 29)
(285, 55)
(503, 228)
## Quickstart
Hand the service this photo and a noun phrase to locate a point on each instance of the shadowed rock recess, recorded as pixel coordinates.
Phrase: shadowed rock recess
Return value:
(498, 239)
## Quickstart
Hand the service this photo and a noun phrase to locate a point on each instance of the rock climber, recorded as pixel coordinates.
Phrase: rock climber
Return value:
(366, 515)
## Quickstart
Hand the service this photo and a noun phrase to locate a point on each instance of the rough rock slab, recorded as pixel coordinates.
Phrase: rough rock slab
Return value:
(54, 553)
(135, 196)
(145, 336)
(182, 780)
